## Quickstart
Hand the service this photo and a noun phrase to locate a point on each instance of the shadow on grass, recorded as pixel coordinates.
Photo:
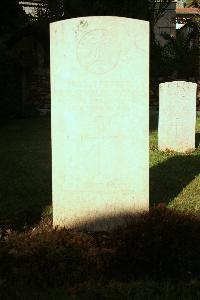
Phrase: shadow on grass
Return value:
(153, 123)
(197, 140)
(24, 218)
(168, 179)
(158, 245)
(25, 178)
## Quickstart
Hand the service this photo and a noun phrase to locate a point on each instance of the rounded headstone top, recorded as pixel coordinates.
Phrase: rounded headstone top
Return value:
(98, 45)
(178, 84)
(99, 17)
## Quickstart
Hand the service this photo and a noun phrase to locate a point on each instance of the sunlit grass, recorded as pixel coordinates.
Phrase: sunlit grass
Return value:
(25, 178)
(175, 177)
(153, 258)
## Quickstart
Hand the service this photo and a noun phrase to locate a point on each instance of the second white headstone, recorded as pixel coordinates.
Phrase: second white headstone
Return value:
(177, 116)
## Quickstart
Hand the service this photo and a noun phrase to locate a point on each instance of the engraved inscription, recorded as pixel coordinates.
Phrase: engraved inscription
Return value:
(98, 51)
(178, 127)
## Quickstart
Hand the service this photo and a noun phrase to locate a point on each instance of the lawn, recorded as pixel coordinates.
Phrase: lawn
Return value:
(175, 177)
(156, 256)
(25, 180)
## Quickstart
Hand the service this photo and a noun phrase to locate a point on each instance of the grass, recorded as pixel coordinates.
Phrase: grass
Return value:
(137, 290)
(25, 180)
(156, 256)
(175, 177)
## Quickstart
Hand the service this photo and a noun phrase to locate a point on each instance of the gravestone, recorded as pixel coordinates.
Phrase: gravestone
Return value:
(177, 116)
(100, 119)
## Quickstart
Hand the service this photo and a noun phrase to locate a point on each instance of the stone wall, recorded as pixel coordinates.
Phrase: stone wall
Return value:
(40, 90)
(36, 91)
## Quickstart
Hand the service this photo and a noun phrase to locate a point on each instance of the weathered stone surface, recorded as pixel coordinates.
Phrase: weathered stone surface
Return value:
(177, 116)
(100, 119)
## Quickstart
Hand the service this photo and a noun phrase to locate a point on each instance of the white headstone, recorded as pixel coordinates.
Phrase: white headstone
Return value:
(100, 118)
(177, 116)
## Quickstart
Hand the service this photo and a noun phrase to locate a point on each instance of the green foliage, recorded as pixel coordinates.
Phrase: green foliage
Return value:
(140, 9)
(194, 3)
(181, 53)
